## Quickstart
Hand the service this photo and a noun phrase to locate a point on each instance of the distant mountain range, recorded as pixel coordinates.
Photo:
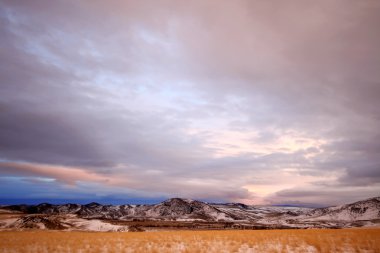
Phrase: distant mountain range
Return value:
(187, 211)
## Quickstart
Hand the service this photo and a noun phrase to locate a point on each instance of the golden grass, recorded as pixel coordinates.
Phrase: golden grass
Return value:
(342, 240)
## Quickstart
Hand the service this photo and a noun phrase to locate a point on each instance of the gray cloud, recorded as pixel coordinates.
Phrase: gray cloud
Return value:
(206, 99)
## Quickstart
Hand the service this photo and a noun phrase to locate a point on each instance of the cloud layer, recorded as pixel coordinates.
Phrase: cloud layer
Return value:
(259, 102)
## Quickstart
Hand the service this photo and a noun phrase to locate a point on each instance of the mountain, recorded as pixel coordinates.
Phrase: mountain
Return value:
(186, 209)
(171, 209)
(190, 214)
(368, 209)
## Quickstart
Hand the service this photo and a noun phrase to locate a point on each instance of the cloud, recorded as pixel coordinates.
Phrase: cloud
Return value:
(206, 99)
(67, 175)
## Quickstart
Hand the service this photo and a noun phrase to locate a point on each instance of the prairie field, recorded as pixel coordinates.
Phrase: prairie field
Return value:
(313, 240)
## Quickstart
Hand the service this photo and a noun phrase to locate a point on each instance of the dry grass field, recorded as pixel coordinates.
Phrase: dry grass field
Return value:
(342, 240)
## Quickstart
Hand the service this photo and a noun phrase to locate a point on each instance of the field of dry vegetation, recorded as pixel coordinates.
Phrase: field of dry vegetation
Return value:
(342, 240)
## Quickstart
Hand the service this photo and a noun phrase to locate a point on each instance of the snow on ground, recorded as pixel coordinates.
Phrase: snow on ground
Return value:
(69, 222)
(189, 219)
(6, 223)
(94, 225)
(346, 215)
(220, 216)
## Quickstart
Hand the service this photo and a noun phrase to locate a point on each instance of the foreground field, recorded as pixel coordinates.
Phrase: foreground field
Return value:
(344, 240)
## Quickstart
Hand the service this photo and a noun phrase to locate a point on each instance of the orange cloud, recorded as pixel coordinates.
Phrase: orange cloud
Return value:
(65, 174)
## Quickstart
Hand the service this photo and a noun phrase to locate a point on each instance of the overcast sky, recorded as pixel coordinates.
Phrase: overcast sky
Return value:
(261, 102)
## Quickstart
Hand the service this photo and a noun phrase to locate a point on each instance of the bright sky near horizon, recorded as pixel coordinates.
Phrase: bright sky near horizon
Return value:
(265, 102)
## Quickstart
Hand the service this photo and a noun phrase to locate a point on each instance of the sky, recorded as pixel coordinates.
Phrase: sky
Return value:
(260, 102)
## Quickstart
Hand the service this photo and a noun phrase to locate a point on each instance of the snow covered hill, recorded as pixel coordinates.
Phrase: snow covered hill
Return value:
(94, 215)
(368, 209)
(171, 209)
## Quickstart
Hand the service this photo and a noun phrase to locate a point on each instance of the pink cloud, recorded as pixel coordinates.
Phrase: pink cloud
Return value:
(65, 174)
